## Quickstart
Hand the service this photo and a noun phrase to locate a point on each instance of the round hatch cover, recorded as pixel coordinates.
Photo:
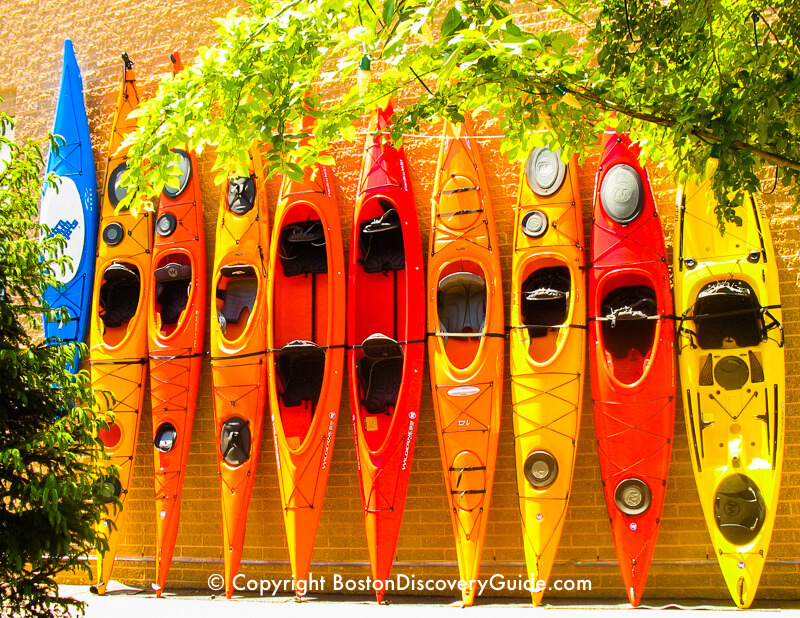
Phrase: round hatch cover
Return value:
(166, 436)
(541, 469)
(622, 194)
(534, 224)
(731, 373)
(166, 224)
(113, 234)
(116, 192)
(545, 171)
(113, 489)
(739, 509)
(632, 496)
(185, 169)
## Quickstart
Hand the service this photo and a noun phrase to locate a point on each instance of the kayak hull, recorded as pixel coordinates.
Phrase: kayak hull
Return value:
(465, 297)
(238, 350)
(548, 343)
(387, 302)
(71, 208)
(631, 343)
(118, 352)
(731, 360)
(176, 330)
(306, 303)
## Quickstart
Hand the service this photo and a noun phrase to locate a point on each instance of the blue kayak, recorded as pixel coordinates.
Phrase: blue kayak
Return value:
(70, 209)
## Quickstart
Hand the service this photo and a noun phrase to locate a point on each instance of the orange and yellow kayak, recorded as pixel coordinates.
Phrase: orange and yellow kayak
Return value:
(238, 350)
(465, 324)
(548, 345)
(305, 339)
(178, 297)
(118, 352)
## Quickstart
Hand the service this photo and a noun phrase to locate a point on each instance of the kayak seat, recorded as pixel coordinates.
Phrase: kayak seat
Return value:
(627, 327)
(301, 368)
(717, 324)
(462, 303)
(173, 282)
(380, 372)
(240, 293)
(545, 300)
(302, 248)
(381, 241)
(241, 195)
(119, 294)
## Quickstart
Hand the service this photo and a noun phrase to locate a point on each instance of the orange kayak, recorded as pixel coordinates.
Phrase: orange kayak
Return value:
(118, 352)
(465, 324)
(305, 339)
(238, 350)
(548, 347)
(175, 331)
(385, 339)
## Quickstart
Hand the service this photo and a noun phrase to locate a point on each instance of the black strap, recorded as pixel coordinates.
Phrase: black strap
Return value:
(724, 314)
(269, 351)
(318, 347)
(647, 317)
(139, 361)
(467, 335)
(410, 341)
(459, 190)
(456, 213)
(180, 356)
(521, 326)
(468, 469)
(235, 356)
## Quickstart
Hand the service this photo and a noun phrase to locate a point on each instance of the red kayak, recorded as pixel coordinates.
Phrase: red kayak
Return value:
(385, 338)
(632, 356)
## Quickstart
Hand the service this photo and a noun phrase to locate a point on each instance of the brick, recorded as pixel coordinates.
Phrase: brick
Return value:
(29, 90)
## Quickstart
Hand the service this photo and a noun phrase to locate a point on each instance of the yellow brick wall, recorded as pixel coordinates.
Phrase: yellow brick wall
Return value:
(684, 566)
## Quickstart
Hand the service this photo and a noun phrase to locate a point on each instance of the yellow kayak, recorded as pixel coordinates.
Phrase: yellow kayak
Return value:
(731, 358)
(465, 319)
(548, 343)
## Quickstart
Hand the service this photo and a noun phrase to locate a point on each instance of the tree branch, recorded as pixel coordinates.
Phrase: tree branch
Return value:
(770, 157)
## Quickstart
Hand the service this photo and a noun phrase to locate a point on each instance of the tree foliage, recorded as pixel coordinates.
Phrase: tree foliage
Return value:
(689, 79)
(52, 490)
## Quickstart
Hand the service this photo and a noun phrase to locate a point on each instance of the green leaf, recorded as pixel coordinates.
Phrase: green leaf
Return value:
(388, 11)
(452, 22)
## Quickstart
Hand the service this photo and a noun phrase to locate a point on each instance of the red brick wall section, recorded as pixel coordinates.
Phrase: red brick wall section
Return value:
(684, 567)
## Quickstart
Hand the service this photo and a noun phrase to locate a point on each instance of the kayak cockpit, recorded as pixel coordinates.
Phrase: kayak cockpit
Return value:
(300, 318)
(728, 315)
(461, 305)
(544, 308)
(381, 241)
(236, 294)
(173, 277)
(628, 329)
(302, 249)
(301, 370)
(120, 290)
